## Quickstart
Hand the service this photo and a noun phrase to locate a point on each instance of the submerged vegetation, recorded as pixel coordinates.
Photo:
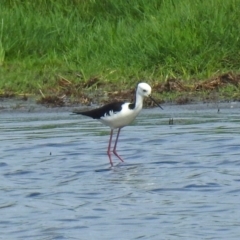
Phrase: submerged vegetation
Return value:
(62, 47)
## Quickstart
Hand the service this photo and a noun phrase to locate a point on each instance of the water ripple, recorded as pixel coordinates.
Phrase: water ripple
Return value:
(177, 182)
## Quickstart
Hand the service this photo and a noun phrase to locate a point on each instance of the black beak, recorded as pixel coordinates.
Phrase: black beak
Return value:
(155, 101)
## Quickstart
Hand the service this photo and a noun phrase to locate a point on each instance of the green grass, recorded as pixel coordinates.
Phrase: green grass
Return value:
(118, 41)
(2, 52)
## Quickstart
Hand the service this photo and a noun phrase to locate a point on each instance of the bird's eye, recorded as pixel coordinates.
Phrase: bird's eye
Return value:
(144, 90)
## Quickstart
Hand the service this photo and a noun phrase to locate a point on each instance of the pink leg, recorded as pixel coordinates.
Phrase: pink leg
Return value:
(115, 146)
(109, 148)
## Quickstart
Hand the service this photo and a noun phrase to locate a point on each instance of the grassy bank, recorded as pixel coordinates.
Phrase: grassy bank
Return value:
(44, 42)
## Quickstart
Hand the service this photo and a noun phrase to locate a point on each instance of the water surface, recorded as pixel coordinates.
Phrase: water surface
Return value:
(178, 181)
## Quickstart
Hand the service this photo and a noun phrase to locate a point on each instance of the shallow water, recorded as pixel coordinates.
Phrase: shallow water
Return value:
(178, 181)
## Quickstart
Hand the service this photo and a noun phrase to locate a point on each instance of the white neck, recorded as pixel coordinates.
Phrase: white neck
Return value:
(139, 101)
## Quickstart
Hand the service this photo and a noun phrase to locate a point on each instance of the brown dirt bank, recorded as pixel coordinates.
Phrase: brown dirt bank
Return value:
(218, 88)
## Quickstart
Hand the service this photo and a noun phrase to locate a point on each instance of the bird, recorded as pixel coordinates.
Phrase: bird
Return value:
(117, 115)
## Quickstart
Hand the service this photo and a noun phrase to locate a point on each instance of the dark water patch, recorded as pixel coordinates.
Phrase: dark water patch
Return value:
(103, 170)
(192, 187)
(67, 181)
(68, 220)
(18, 173)
(100, 209)
(169, 190)
(154, 142)
(5, 222)
(3, 164)
(7, 205)
(191, 163)
(229, 162)
(202, 185)
(33, 195)
(234, 191)
(151, 218)
(140, 237)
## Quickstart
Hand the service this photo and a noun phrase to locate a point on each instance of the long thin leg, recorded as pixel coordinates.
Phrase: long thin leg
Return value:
(115, 145)
(109, 148)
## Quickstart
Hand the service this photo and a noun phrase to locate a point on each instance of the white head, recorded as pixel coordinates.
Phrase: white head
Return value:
(144, 90)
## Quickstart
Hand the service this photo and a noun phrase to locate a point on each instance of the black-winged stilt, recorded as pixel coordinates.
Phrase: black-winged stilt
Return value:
(117, 115)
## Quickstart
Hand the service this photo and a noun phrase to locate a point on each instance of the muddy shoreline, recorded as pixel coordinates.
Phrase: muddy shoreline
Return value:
(31, 106)
(219, 90)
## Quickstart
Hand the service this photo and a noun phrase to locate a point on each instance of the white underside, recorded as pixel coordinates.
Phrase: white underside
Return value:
(122, 118)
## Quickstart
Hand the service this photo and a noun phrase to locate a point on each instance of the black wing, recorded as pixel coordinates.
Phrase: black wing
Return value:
(104, 110)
